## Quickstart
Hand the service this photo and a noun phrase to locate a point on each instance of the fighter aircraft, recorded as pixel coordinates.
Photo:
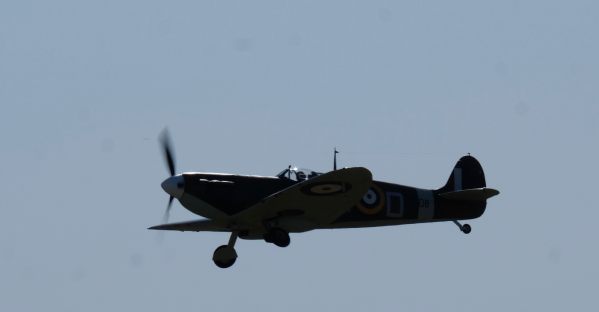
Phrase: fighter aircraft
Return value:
(298, 200)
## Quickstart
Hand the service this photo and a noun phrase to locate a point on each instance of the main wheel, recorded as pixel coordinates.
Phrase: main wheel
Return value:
(279, 237)
(224, 256)
(268, 237)
(466, 228)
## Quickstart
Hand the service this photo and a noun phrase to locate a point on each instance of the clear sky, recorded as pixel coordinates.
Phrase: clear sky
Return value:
(402, 87)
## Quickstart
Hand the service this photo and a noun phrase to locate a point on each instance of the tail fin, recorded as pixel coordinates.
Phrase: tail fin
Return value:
(467, 174)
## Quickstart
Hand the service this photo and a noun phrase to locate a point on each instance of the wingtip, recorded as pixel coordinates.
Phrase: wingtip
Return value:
(362, 169)
(492, 192)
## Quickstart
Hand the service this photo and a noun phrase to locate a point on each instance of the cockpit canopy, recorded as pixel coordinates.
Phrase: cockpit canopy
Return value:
(298, 175)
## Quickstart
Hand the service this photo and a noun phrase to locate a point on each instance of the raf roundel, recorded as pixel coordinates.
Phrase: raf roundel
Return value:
(326, 188)
(372, 202)
(370, 197)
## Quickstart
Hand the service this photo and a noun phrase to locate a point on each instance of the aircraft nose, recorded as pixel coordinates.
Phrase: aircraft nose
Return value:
(174, 186)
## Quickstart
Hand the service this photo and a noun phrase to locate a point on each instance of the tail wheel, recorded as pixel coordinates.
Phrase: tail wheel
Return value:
(466, 228)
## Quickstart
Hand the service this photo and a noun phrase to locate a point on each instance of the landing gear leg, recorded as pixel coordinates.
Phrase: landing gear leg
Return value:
(466, 228)
(225, 255)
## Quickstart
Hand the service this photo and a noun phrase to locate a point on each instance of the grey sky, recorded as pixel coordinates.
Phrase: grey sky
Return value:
(402, 87)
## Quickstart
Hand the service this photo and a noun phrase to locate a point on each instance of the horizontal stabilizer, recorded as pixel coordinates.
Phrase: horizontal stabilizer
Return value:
(482, 193)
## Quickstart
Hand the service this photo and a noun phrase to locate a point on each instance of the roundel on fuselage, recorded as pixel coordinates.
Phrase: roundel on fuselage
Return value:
(372, 202)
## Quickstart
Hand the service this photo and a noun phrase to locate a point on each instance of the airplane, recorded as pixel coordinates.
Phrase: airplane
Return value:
(296, 200)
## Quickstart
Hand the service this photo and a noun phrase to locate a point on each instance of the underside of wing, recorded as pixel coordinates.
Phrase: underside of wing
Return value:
(192, 226)
(319, 200)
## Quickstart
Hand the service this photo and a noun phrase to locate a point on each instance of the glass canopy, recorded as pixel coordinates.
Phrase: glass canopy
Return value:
(295, 174)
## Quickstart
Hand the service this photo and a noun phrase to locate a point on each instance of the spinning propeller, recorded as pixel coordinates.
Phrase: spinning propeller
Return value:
(174, 184)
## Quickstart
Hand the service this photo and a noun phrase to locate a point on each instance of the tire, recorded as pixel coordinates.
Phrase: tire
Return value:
(466, 228)
(280, 237)
(224, 256)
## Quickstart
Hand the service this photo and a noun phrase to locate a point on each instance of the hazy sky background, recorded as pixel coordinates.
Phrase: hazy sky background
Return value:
(402, 87)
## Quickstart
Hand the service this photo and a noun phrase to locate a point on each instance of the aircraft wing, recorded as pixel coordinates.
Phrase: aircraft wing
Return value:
(319, 200)
(193, 226)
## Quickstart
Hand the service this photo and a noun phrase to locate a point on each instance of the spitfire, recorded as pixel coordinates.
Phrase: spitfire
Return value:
(269, 208)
